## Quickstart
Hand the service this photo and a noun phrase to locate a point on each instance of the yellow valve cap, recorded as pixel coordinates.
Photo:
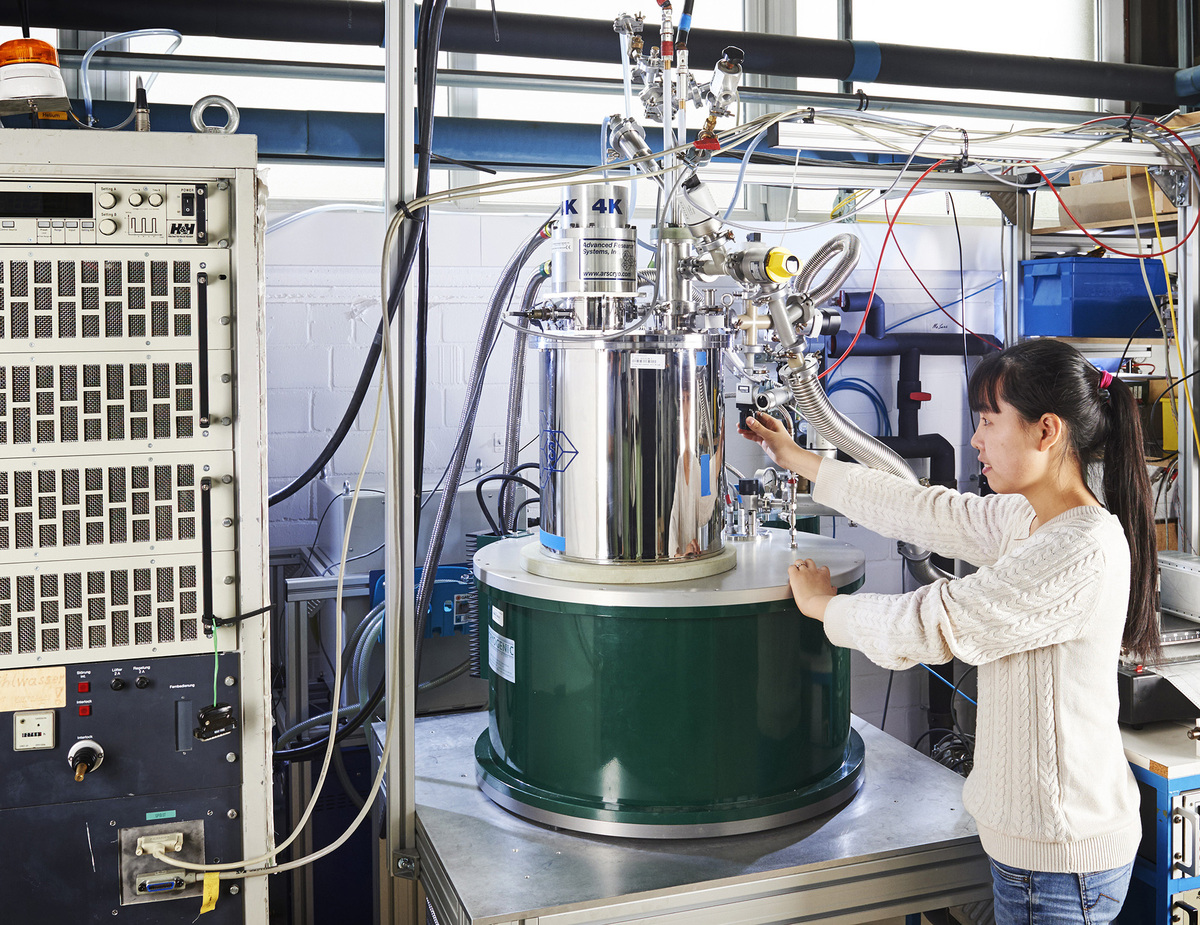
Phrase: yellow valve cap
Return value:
(781, 265)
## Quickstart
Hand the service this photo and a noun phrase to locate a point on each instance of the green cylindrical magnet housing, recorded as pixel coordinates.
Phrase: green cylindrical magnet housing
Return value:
(695, 719)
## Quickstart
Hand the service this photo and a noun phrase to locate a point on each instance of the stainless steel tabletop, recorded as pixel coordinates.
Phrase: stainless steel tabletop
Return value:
(903, 844)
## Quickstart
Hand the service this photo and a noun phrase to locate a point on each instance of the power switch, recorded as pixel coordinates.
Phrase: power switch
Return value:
(32, 730)
(84, 687)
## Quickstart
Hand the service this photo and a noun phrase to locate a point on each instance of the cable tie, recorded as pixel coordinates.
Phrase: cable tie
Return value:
(864, 101)
(811, 117)
(403, 207)
(1129, 124)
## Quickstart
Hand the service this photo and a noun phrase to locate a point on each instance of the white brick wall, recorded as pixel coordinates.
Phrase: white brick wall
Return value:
(323, 308)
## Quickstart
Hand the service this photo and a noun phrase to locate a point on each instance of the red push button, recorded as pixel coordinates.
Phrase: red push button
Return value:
(920, 396)
(85, 709)
(84, 687)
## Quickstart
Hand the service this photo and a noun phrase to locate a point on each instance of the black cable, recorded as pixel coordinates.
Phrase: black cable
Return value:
(413, 248)
(1180, 380)
(929, 732)
(364, 555)
(429, 36)
(365, 377)
(962, 302)
(1150, 314)
(317, 747)
(24, 18)
(488, 471)
(886, 698)
(954, 695)
(209, 619)
(524, 504)
(500, 506)
(502, 477)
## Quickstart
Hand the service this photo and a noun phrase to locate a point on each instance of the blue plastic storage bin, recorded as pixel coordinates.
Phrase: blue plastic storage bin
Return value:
(1088, 297)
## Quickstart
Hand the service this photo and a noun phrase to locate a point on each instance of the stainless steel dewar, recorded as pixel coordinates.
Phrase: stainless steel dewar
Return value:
(632, 447)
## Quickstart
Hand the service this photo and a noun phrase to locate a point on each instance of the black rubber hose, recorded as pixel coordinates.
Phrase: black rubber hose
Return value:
(507, 479)
(317, 747)
(361, 22)
(506, 499)
(429, 39)
(415, 247)
(365, 377)
(516, 515)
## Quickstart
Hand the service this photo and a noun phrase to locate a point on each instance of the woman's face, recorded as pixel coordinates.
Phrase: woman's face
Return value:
(1007, 446)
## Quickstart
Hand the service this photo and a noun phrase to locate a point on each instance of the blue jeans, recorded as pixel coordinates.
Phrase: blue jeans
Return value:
(1034, 897)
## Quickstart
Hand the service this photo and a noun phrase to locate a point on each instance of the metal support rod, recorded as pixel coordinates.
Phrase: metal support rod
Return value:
(295, 641)
(1188, 269)
(399, 513)
(845, 32)
(1017, 248)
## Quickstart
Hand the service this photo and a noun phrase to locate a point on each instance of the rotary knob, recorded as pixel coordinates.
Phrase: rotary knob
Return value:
(107, 226)
(155, 199)
(106, 200)
(136, 199)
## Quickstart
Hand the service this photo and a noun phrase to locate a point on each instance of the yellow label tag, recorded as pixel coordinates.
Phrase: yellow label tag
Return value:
(33, 689)
(56, 116)
(212, 889)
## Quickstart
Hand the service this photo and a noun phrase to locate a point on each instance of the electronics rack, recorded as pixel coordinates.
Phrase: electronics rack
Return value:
(132, 510)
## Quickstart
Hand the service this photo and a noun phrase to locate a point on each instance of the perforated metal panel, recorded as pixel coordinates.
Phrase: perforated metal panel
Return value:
(76, 611)
(113, 505)
(57, 402)
(109, 299)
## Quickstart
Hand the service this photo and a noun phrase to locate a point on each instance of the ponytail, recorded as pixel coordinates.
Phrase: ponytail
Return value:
(1102, 422)
(1127, 495)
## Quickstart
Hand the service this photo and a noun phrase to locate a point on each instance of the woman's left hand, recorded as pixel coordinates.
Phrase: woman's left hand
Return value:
(811, 587)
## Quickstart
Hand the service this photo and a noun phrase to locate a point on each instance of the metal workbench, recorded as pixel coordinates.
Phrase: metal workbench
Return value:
(904, 844)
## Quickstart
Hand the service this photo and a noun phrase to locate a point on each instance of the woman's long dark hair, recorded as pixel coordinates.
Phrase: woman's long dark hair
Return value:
(1102, 423)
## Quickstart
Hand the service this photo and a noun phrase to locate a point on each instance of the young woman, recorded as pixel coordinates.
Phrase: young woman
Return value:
(1063, 584)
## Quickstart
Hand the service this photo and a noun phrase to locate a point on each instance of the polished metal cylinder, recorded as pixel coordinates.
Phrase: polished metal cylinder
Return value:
(632, 448)
(594, 248)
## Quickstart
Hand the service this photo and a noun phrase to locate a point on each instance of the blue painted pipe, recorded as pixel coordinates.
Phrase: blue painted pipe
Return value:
(857, 302)
(896, 344)
(358, 136)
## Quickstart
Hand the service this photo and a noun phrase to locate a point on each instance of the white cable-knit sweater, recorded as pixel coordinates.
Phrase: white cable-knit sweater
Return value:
(1042, 618)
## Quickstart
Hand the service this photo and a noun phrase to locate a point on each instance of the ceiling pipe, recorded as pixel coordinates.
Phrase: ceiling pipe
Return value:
(360, 22)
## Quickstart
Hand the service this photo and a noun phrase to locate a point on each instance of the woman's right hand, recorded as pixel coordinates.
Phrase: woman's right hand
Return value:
(770, 434)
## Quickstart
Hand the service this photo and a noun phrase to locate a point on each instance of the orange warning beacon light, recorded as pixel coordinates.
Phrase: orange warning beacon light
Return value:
(30, 80)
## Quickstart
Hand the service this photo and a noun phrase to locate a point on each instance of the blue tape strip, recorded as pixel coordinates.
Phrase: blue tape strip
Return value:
(867, 58)
(551, 541)
(685, 22)
(705, 486)
(701, 358)
(1187, 81)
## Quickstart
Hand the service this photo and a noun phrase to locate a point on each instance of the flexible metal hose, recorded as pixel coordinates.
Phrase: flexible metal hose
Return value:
(516, 392)
(847, 245)
(466, 428)
(814, 404)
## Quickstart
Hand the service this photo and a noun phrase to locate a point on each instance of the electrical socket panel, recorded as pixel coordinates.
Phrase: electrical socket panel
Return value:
(33, 730)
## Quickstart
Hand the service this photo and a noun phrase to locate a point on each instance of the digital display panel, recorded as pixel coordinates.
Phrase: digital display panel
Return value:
(35, 204)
